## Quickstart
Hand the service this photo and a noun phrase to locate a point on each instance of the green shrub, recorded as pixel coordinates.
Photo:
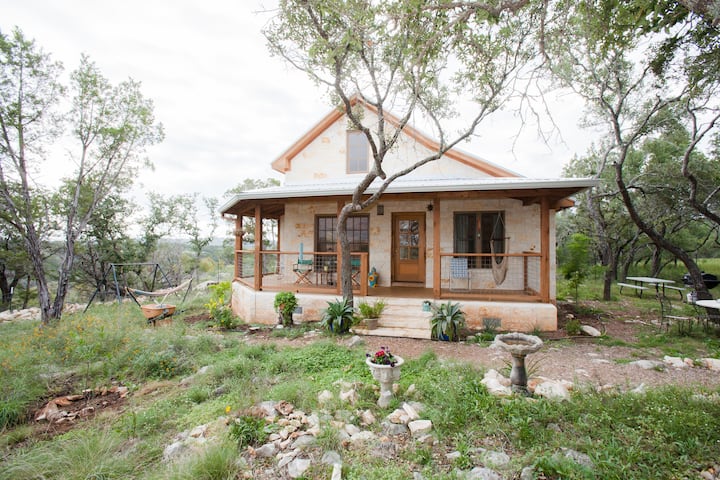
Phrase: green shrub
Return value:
(248, 430)
(572, 327)
(285, 304)
(338, 317)
(218, 307)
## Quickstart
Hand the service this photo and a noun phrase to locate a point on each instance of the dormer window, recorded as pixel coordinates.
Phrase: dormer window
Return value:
(357, 152)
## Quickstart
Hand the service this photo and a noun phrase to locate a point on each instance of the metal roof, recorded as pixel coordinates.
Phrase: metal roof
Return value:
(406, 186)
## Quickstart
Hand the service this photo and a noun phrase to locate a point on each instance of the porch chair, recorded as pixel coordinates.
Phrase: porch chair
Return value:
(355, 271)
(685, 324)
(459, 271)
(302, 269)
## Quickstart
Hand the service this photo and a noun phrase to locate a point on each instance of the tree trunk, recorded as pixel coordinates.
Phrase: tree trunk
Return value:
(345, 257)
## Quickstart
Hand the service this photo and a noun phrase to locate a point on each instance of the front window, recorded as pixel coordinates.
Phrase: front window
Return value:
(358, 230)
(357, 152)
(473, 233)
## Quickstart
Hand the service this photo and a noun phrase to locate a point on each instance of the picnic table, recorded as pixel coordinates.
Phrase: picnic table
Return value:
(641, 282)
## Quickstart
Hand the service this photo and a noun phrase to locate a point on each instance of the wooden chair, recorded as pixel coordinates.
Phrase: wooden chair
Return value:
(355, 271)
(302, 269)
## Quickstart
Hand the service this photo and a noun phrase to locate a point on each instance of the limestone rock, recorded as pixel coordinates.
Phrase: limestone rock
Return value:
(351, 396)
(711, 363)
(297, 467)
(266, 451)
(420, 427)
(367, 418)
(331, 457)
(591, 331)
(325, 396)
(649, 364)
(552, 390)
(481, 473)
(495, 459)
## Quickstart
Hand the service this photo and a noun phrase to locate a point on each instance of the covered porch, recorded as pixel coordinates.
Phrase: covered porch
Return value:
(415, 243)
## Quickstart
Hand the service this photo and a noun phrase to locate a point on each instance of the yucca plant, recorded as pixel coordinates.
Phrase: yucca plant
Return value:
(446, 321)
(338, 316)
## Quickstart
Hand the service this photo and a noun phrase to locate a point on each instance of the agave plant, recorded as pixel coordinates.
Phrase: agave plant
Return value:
(446, 321)
(338, 316)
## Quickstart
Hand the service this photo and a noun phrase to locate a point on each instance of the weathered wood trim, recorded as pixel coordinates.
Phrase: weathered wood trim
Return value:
(258, 244)
(545, 250)
(437, 259)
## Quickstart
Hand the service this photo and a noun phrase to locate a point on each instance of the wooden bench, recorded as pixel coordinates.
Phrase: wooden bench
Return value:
(634, 287)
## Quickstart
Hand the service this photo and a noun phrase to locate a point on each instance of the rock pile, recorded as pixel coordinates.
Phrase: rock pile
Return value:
(33, 313)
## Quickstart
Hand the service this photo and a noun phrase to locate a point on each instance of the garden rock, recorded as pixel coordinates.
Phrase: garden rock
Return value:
(480, 473)
(336, 472)
(392, 429)
(331, 457)
(552, 390)
(412, 413)
(495, 459)
(528, 473)
(591, 331)
(325, 396)
(676, 362)
(420, 427)
(266, 451)
(496, 384)
(578, 457)
(351, 396)
(297, 467)
(711, 363)
(367, 418)
(649, 364)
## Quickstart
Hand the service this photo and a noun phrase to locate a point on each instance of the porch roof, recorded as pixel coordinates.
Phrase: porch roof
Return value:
(530, 190)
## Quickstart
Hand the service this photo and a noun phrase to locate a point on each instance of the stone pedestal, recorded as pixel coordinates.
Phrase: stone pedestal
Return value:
(386, 376)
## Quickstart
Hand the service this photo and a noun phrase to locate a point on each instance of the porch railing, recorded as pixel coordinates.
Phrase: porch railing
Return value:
(472, 274)
(312, 272)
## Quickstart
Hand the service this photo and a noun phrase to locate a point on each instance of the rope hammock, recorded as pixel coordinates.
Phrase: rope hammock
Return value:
(159, 293)
(499, 268)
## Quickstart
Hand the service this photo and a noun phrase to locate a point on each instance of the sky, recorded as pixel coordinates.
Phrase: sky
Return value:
(228, 108)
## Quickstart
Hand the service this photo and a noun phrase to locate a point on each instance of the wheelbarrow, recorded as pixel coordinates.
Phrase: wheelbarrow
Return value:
(158, 312)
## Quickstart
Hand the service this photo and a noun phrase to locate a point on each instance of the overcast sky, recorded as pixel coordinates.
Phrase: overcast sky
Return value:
(228, 108)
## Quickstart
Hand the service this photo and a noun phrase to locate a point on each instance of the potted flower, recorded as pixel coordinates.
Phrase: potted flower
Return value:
(446, 321)
(285, 304)
(385, 368)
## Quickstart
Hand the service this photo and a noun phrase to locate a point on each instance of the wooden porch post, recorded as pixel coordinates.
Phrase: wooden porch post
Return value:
(437, 259)
(238, 244)
(545, 250)
(258, 244)
(338, 253)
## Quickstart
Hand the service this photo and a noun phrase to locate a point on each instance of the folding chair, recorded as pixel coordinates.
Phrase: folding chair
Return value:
(459, 271)
(302, 269)
(685, 324)
(355, 271)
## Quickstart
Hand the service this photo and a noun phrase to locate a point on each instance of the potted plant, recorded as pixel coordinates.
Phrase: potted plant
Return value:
(371, 313)
(385, 368)
(285, 304)
(446, 321)
(338, 317)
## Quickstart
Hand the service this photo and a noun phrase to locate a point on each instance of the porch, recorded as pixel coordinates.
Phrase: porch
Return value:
(459, 276)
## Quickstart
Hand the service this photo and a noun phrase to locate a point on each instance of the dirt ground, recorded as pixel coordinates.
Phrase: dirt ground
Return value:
(579, 359)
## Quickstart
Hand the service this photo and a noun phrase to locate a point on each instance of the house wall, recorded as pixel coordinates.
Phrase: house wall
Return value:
(522, 225)
(324, 160)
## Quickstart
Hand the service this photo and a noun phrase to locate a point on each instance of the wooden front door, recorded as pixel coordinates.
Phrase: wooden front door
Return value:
(408, 250)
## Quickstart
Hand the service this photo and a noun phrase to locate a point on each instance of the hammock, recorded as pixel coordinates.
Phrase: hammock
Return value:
(499, 269)
(159, 293)
(134, 293)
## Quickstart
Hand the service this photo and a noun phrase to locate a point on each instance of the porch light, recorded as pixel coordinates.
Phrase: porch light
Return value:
(381, 209)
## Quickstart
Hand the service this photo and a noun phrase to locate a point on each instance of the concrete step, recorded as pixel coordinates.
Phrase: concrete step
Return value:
(394, 316)
(394, 332)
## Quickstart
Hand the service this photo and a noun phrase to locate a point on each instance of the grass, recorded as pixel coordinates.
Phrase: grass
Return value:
(671, 432)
